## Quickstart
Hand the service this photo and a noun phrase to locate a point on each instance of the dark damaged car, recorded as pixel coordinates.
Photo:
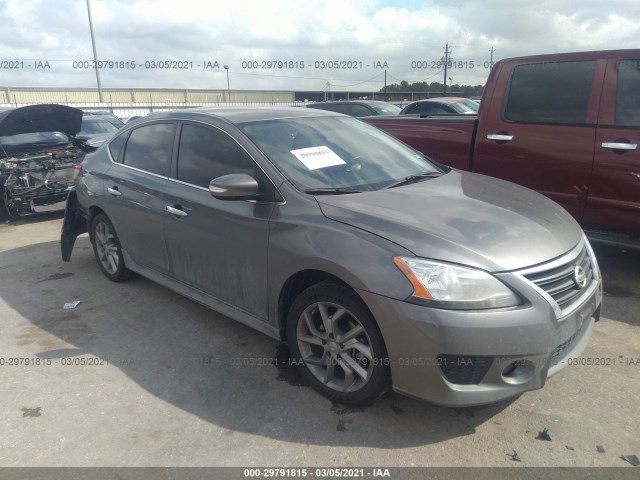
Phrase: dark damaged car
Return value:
(39, 158)
(378, 266)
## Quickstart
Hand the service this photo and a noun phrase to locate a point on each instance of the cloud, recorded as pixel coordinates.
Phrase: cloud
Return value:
(318, 33)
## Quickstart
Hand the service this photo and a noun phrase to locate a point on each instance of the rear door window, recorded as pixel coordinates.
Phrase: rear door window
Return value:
(149, 148)
(429, 108)
(550, 93)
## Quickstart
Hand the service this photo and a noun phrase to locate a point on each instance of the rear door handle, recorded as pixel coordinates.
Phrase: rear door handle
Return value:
(176, 211)
(114, 191)
(619, 145)
(499, 137)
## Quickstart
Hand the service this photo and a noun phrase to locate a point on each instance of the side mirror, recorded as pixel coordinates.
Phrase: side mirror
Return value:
(235, 186)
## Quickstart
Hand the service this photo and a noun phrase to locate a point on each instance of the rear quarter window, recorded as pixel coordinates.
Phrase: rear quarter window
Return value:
(115, 147)
(552, 93)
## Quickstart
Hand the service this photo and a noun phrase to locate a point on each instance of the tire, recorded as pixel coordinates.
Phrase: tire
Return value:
(5, 214)
(343, 358)
(107, 249)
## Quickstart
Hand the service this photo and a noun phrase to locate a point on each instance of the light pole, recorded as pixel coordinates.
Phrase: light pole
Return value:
(226, 67)
(95, 55)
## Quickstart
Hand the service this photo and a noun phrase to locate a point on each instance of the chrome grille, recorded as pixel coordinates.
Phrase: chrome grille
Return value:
(560, 283)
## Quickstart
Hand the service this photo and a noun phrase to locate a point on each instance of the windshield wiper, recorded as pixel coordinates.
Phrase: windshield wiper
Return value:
(414, 178)
(331, 191)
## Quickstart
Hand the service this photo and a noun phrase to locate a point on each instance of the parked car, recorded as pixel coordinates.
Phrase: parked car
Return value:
(566, 125)
(95, 131)
(38, 153)
(358, 108)
(106, 115)
(442, 106)
(132, 118)
(378, 266)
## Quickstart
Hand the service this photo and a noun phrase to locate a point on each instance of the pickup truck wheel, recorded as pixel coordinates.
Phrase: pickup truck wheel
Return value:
(336, 344)
(107, 249)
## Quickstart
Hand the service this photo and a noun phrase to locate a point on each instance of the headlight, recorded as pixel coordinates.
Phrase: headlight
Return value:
(451, 286)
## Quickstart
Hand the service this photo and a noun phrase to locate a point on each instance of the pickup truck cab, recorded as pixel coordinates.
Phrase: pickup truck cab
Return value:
(566, 125)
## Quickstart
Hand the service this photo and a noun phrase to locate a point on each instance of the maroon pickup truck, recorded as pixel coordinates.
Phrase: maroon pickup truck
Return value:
(566, 125)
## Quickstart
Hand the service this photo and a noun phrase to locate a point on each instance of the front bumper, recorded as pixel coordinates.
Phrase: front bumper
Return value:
(463, 358)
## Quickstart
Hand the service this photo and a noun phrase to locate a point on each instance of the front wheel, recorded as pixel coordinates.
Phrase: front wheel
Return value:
(107, 249)
(337, 345)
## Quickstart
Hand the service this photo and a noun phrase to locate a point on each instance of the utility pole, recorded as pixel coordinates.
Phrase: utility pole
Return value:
(95, 55)
(385, 86)
(491, 60)
(446, 62)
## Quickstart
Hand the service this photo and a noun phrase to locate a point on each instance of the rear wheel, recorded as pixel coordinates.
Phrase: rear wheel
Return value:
(337, 345)
(107, 249)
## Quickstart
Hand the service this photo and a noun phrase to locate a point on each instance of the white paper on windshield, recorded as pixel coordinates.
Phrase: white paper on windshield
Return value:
(317, 157)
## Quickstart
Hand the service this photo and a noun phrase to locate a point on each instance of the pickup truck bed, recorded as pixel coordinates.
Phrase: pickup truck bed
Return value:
(450, 136)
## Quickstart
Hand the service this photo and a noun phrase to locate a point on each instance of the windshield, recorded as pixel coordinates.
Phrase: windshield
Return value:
(465, 106)
(389, 109)
(336, 153)
(30, 142)
(96, 126)
(39, 138)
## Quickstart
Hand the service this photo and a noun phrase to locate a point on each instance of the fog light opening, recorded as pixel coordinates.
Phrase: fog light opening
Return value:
(518, 372)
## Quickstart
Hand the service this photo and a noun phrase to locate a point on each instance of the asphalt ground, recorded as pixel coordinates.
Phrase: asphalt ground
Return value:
(137, 375)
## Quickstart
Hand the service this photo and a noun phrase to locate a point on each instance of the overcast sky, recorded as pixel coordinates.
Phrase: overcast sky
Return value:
(370, 36)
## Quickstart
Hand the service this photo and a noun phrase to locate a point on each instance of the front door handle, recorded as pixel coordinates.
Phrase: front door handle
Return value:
(176, 211)
(619, 145)
(114, 191)
(499, 137)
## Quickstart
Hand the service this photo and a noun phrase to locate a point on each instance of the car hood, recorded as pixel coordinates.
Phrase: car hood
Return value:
(463, 218)
(40, 118)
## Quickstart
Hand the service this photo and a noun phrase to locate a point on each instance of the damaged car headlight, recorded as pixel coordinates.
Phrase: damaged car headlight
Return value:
(450, 286)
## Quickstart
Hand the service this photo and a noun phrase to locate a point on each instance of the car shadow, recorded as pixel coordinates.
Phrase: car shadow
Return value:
(199, 361)
(620, 270)
(35, 218)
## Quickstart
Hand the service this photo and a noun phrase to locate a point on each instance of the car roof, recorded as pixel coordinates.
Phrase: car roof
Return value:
(347, 102)
(442, 100)
(237, 115)
(94, 118)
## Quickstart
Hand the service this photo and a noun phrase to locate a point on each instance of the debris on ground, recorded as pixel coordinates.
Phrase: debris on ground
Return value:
(569, 447)
(31, 412)
(546, 435)
(632, 459)
(515, 457)
(600, 448)
(71, 305)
